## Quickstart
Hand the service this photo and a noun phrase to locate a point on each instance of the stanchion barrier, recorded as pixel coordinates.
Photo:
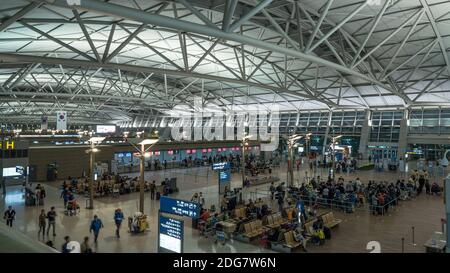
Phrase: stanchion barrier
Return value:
(403, 245)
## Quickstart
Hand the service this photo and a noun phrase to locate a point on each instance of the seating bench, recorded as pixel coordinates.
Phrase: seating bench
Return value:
(275, 220)
(329, 220)
(253, 229)
(289, 240)
(240, 213)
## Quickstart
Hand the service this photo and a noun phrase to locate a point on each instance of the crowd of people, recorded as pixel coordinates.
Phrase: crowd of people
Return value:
(110, 185)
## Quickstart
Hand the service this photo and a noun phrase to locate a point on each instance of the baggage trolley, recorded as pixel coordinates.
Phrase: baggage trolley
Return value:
(221, 237)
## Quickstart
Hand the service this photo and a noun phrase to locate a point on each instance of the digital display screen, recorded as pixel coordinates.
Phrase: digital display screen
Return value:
(224, 176)
(221, 166)
(11, 171)
(105, 129)
(179, 207)
(170, 234)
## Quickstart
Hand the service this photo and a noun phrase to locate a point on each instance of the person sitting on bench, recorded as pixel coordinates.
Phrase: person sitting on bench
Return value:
(435, 189)
(298, 237)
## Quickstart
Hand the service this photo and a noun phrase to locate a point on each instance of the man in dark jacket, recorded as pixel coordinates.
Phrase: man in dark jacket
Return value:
(64, 248)
(9, 216)
(118, 218)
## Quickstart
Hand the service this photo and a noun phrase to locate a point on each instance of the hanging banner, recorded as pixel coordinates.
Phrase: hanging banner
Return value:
(61, 121)
(44, 123)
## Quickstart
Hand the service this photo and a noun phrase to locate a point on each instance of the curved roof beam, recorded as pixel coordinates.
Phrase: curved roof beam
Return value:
(436, 32)
(164, 21)
(7, 57)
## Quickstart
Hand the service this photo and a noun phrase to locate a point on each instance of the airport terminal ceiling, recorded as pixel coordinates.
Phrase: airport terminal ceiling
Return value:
(110, 61)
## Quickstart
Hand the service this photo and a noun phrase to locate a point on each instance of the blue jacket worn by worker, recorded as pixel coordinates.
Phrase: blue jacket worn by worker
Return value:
(118, 216)
(301, 206)
(96, 225)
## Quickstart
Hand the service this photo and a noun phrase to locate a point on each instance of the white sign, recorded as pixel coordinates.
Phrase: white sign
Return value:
(74, 247)
(105, 129)
(11, 171)
(374, 247)
(170, 243)
(61, 121)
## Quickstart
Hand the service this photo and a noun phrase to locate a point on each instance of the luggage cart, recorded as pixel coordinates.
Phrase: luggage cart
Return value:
(221, 237)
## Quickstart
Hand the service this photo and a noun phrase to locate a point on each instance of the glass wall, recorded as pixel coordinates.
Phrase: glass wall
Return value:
(385, 126)
(429, 121)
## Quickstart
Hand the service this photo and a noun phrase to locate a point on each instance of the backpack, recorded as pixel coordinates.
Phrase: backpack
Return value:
(320, 234)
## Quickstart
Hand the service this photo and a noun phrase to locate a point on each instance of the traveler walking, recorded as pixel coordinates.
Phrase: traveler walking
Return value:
(9, 216)
(51, 216)
(96, 225)
(152, 190)
(42, 223)
(118, 218)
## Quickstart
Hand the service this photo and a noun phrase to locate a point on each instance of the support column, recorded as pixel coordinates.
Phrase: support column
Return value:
(327, 131)
(141, 180)
(447, 210)
(403, 136)
(365, 134)
(2, 181)
(91, 176)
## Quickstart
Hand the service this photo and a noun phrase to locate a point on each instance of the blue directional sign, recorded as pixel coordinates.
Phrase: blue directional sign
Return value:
(221, 166)
(179, 207)
(170, 238)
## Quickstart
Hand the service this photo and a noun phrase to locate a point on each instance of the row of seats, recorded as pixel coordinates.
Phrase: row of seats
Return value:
(240, 213)
(253, 229)
(289, 240)
(275, 220)
(329, 220)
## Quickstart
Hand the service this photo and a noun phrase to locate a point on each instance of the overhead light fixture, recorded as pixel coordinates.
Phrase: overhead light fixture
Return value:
(96, 139)
(149, 141)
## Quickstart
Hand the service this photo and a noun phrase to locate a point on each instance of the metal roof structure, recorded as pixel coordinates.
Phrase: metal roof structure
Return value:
(108, 61)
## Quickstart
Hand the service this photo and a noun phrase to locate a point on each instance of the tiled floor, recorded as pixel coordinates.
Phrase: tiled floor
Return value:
(424, 213)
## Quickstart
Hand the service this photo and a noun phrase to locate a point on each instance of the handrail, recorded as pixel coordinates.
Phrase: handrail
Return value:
(14, 241)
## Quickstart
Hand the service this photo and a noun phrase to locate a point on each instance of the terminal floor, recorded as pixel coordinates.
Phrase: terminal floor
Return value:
(356, 230)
